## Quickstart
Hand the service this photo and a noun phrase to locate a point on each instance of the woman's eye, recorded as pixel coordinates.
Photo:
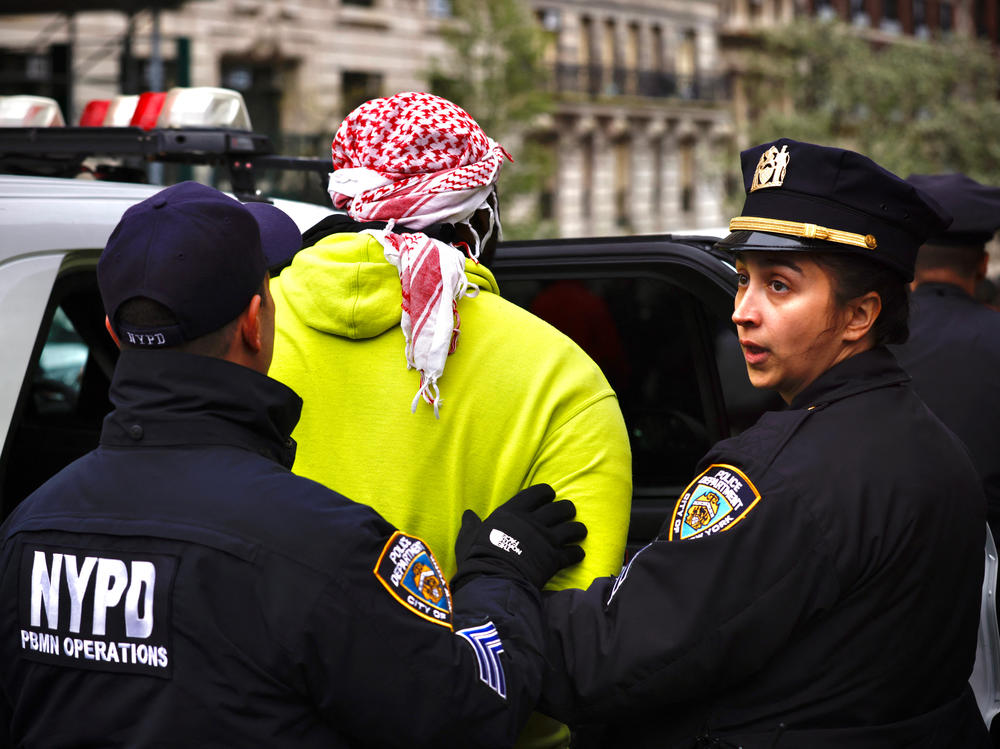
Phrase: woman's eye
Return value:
(777, 285)
(742, 279)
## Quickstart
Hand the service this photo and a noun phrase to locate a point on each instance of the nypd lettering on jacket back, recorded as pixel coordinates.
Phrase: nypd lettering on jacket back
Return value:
(103, 611)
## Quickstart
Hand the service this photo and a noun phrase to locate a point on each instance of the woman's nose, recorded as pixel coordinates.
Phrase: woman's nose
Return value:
(745, 308)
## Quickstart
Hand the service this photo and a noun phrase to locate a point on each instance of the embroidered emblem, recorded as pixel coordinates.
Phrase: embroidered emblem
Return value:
(411, 574)
(485, 640)
(771, 168)
(714, 502)
(103, 610)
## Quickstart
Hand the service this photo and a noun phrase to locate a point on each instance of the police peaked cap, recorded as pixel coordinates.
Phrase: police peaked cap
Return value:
(975, 207)
(805, 197)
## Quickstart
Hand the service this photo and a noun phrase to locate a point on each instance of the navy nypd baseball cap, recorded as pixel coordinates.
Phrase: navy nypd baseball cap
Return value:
(806, 197)
(975, 208)
(196, 251)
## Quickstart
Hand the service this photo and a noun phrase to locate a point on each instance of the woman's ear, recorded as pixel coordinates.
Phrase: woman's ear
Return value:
(862, 313)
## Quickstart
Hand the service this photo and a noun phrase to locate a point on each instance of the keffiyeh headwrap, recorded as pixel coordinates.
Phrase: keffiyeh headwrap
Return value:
(418, 160)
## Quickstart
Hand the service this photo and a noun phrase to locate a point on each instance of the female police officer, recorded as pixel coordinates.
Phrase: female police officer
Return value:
(818, 582)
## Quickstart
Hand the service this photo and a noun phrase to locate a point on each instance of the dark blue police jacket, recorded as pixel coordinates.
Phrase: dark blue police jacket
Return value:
(817, 586)
(953, 356)
(178, 586)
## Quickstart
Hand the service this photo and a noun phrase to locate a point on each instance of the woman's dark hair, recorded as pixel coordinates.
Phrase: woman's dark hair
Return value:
(854, 276)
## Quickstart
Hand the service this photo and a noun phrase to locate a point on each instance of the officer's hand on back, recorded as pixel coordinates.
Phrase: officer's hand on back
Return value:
(528, 536)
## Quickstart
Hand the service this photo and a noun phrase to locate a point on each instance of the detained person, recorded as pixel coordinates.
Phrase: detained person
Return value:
(818, 582)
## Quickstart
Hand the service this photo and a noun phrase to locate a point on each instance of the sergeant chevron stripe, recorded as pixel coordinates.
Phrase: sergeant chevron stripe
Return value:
(486, 642)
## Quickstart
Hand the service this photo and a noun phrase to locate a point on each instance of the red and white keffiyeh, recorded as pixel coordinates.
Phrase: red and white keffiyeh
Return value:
(417, 159)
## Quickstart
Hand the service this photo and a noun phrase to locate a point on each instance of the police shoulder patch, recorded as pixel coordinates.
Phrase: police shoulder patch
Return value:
(411, 574)
(715, 501)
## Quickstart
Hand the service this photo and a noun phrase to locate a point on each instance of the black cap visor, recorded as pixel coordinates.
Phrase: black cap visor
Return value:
(746, 240)
(763, 240)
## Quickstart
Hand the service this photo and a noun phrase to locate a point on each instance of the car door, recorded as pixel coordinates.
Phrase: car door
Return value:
(62, 395)
(654, 313)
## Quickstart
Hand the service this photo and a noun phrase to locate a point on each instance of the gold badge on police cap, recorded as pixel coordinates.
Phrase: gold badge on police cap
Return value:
(771, 168)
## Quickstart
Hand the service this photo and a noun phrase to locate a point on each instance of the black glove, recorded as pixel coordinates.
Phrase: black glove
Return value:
(528, 536)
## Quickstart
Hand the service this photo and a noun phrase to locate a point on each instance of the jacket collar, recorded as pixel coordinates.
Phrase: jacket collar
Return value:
(166, 398)
(875, 368)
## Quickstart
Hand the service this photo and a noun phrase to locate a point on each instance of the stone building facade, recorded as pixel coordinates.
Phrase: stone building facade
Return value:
(641, 127)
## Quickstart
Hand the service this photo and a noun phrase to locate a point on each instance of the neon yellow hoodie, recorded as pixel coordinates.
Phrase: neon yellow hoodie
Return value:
(521, 404)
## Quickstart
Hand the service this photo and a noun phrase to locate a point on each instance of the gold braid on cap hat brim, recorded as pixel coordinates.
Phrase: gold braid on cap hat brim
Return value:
(808, 231)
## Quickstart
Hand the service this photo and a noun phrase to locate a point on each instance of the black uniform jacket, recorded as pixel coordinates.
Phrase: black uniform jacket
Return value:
(817, 586)
(178, 586)
(953, 356)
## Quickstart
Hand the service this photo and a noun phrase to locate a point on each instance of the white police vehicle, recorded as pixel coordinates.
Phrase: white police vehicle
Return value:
(57, 360)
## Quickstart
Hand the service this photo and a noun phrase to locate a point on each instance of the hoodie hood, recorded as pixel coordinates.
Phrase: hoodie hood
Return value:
(343, 285)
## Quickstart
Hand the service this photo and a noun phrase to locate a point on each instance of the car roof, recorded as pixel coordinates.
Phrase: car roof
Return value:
(40, 214)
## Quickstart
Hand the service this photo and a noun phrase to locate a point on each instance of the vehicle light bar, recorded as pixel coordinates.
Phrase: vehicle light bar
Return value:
(62, 151)
(120, 111)
(147, 110)
(30, 111)
(94, 112)
(204, 107)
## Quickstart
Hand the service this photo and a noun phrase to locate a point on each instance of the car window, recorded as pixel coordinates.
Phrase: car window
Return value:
(641, 333)
(674, 360)
(65, 394)
(57, 379)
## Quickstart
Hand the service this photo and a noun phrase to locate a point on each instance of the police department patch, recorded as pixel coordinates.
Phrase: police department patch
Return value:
(411, 574)
(106, 611)
(714, 502)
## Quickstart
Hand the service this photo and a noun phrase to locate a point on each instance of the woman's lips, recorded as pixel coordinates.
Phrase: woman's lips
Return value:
(753, 353)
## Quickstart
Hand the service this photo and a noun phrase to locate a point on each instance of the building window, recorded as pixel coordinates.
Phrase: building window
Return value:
(261, 85)
(658, 183)
(687, 176)
(657, 56)
(587, 181)
(438, 8)
(549, 19)
(920, 18)
(979, 19)
(362, 3)
(622, 218)
(687, 65)
(859, 13)
(825, 10)
(610, 56)
(357, 87)
(890, 17)
(590, 68)
(632, 57)
(947, 16)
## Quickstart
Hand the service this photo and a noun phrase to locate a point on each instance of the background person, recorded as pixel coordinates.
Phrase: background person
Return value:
(818, 583)
(425, 392)
(179, 586)
(953, 353)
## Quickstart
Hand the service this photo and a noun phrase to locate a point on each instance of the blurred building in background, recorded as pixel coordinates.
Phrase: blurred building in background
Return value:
(648, 101)
(641, 109)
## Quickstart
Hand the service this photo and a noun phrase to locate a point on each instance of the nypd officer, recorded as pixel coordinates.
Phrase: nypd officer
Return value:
(817, 584)
(178, 586)
(953, 354)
